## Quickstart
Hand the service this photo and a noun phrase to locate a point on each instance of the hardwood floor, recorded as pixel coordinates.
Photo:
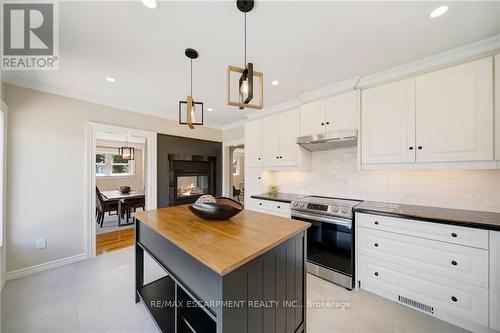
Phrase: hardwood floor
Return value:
(114, 240)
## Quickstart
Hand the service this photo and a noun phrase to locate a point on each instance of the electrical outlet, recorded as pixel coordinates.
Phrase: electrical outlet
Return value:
(41, 243)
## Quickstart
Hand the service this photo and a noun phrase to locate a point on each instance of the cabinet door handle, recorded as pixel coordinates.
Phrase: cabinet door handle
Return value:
(454, 299)
(454, 263)
(376, 244)
(328, 123)
(277, 157)
(453, 234)
(376, 222)
(411, 148)
(259, 158)
(279, 206)
(258, 177)
(376, 273)
(260, 203)
(419, 147)
(322, 124)
(281, 156)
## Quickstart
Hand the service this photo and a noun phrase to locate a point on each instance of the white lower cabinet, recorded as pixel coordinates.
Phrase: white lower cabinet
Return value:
(271, 207)
(495, 280)
(429, 268)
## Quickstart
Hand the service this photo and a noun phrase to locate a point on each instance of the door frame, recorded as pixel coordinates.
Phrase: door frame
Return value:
(226, 188)
(4, 111)
(150, 174)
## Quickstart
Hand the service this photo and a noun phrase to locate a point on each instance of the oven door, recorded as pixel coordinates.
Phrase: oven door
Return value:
(329, 242)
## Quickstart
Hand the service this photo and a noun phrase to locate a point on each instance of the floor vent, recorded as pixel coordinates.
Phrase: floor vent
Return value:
(415, 304)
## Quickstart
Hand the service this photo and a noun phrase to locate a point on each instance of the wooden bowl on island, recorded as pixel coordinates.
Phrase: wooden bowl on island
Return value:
(216, 209)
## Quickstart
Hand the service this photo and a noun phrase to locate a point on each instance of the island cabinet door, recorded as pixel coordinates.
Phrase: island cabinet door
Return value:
(270, 291)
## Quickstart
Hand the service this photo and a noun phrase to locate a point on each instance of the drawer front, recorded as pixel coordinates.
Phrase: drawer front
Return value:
(281, 207)
(448, 298)
(436, 231)
(462, 263)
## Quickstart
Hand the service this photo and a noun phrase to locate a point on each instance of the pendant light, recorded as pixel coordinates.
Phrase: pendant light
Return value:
(191, 107)
(126, 152)
(247, 76)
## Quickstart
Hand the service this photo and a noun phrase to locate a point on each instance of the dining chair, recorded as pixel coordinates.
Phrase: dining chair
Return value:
(129, 205)
(103, 207)
(236, 193)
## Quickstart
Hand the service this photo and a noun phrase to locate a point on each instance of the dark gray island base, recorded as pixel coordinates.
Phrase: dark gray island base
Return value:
(243, 275)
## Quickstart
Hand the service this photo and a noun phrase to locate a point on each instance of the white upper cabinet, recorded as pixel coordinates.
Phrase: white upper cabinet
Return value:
(279, 142)
(253, 143)
(271, 140)
(312, 118)
(335, 113)
(454, 113)
(342, 112)
(388, 123)
(288, 133)
(497, 107)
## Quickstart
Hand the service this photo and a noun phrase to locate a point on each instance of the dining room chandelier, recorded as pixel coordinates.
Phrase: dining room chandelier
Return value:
(126, 152)
(188, 109)
(249, 83)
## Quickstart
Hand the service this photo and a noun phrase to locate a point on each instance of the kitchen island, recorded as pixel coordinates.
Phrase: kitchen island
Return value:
(246, 274)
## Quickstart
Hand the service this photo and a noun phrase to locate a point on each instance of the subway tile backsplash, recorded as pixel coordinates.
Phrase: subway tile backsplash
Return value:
(335, 173)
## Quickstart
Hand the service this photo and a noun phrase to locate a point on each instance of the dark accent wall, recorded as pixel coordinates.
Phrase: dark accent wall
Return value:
(169, 144)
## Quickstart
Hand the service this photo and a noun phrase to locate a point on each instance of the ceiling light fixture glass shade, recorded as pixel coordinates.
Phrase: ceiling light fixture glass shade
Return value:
(127, 152)
(249, 82)
(191, 112)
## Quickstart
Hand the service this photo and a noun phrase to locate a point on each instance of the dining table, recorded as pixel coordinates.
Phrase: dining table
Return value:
(117, 195)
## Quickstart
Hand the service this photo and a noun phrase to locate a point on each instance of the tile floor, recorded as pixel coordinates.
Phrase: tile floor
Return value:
(98, 296)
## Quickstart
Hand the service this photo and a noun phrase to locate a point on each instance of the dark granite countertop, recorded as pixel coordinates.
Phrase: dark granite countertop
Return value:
(281, 197)
(466, 218)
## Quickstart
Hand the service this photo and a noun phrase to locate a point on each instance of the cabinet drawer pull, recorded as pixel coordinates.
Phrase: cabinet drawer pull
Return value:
(376, 222)
(258, 177)
(411, 148)
(260, 203)
(279, 206)
(376, 273)
(454, 299)
(328, 123)
(259, 158)
(453, 234)
(277, 157)
(376, 244)
(419, 147)
(322, 124)
(454, 263)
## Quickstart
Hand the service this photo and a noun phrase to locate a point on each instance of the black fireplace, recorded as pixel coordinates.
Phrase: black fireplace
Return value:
(190, 176)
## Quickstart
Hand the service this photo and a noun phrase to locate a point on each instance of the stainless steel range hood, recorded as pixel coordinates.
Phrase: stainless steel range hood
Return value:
(329, 141)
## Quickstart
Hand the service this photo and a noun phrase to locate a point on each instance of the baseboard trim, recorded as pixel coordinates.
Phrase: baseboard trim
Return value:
(43, 267)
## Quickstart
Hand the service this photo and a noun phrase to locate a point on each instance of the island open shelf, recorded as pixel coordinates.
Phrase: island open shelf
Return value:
(218, 287)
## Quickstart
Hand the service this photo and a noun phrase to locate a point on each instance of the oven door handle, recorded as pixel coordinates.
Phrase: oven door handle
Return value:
(341, 222)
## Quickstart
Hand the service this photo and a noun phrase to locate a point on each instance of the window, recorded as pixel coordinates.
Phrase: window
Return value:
(236, 166)
(111, 164)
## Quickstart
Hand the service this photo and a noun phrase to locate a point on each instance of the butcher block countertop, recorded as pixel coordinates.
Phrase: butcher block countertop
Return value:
(223, 246)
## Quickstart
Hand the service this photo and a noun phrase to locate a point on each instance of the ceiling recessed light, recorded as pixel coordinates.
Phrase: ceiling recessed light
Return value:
(275, 82)
(111, 79)
(438, 11)
(150, 3)
(210, 109)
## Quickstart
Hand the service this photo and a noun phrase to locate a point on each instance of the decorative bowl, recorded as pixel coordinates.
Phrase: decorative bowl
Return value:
(222, 209)
(125, 189)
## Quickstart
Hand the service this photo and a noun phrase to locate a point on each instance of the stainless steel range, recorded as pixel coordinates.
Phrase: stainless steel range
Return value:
(330, 250)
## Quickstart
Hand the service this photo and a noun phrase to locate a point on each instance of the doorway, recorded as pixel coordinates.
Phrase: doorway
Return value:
(120, 183)
(237, 173)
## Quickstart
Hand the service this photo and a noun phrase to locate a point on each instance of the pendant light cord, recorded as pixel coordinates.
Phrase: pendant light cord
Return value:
(245, 61)
(191, 77)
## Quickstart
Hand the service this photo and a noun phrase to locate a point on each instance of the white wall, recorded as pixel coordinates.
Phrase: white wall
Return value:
(46, 170)
(334, 173)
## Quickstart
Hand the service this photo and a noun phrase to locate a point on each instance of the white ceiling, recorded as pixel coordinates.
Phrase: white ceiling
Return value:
(305, 45)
